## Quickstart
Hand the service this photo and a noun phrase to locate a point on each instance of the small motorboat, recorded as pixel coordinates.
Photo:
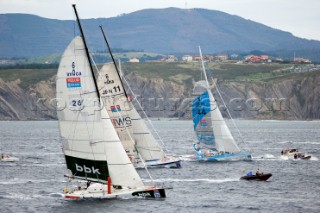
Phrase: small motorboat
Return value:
(306, 157)
(295, 154)
(8, 158)
(260, 177)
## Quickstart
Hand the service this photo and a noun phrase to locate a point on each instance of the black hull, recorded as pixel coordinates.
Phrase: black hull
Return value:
(263, 177)
(152, 193)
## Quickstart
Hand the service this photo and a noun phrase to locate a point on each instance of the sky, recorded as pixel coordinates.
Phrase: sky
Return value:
(299, 17)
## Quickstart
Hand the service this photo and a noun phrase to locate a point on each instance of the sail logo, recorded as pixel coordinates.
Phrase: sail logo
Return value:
(108, 81)
(121, 122)
(203, 122)
(106, 91)
(87, 169)
(201, 112)
(115, 108)
(144, 194)
(73, 72)
(156, 193)
(73, 82)
(206, 138)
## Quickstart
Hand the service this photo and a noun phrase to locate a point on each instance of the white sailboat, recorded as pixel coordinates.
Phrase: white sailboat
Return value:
(215, 142)
(92, 148)
(8, 158)
(5, 157)
(131, 128)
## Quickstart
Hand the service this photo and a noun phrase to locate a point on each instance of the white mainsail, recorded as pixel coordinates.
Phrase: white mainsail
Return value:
(91, 145)
(133, 132)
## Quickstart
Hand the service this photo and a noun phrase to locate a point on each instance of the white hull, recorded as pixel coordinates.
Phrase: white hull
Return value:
(302, 156)
(9, 159)
(168, 162)
(221, 157)
(295, 155)
(100, 191)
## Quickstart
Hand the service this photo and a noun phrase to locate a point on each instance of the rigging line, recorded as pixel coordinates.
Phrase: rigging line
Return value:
(104, 100)
(93, 58)
(145, 114)
(132, 141)
(204, 72)
(135, 98)
(125, 93)
(86, 50)
(95, 66)
(114, 62)
(203, 68)
(241, 137)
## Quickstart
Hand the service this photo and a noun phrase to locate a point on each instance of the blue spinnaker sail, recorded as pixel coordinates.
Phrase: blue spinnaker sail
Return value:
(200, 107)
(201, 119)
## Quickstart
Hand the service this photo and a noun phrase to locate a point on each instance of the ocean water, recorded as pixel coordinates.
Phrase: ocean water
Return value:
(36, 181)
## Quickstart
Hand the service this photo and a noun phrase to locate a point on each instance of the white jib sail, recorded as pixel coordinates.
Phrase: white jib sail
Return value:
(209, 125)
(86, 130)
(125, 117)
(224, 140)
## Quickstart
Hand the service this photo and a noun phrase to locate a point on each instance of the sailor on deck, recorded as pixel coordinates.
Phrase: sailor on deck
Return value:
(196, 147)
(258, 172)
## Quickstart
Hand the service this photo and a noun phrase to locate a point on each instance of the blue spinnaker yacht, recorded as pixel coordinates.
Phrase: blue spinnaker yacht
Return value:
(214, 139)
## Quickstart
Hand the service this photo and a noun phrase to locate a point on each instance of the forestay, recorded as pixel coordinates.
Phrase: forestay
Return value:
(91, 146)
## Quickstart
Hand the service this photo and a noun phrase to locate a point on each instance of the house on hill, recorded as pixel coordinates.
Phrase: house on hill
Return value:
(222, 57)
(187, 58)
(301, 60)
(257, 59)
(134, 60)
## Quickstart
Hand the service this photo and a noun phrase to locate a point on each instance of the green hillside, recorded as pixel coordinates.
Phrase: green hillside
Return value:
(181, 73)
(28, 77)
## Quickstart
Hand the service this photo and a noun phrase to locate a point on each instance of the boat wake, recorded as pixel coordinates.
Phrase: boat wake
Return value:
(25, 181)
(196, 180)
(284, 142)
(283, 157)
(300, 142)
(20, 196)
(56, 195)
(310, 142)
(264, 157)
(314, 158)
(187, 157)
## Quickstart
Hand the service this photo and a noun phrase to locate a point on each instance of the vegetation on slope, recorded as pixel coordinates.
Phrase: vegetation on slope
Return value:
(181, 73)
(27, 77)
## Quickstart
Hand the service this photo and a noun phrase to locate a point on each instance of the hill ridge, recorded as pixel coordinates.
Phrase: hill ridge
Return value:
(165, 31)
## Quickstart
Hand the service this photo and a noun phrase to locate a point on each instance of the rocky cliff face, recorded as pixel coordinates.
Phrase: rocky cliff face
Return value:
(294, 98)
(34, 103)
(285, 99)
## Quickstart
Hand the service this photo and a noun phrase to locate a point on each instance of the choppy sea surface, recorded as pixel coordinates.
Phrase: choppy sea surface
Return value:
(36, 181)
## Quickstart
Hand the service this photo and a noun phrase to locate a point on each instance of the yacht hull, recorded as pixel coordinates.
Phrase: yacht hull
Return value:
(223, 157)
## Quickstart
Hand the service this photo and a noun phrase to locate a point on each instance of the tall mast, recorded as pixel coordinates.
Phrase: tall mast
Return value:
(203, 68)
(114, 62)
(87, 51)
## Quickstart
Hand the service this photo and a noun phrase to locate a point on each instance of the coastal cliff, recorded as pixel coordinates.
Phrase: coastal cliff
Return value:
(294, 96)
(33, 103)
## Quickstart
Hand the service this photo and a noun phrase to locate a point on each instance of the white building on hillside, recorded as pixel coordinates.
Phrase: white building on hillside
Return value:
(187, 58)
(134, 60)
